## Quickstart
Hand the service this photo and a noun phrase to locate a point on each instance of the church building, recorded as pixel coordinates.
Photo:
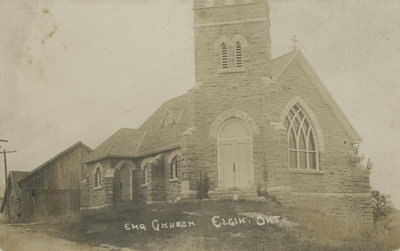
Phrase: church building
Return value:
(251, 125)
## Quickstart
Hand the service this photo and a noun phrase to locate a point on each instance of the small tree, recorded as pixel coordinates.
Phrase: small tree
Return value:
(202, 187)
(381, 204)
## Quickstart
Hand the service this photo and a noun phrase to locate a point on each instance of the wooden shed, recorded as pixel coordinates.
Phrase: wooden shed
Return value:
(53, 188)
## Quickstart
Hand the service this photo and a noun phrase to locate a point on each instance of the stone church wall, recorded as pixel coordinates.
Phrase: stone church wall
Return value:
(211, 29)
(159, 187)
(339, 188)
(95, 197)
(211, 100)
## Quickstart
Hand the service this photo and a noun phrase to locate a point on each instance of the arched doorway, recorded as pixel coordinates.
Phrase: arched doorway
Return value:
(235, 167)
(124, 177)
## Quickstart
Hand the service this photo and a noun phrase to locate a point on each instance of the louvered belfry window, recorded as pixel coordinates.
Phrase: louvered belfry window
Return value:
(224, 56)
(301, 140)
(238, 55)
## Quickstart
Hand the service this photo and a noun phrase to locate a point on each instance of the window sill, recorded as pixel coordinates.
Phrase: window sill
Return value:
(97, 188)
(173, 180)
(231, 70)
(305, 171)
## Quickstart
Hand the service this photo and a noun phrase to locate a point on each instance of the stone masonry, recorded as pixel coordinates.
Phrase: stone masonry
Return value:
(259, 92)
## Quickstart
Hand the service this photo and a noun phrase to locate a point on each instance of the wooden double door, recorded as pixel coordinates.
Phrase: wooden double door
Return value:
(235, 167)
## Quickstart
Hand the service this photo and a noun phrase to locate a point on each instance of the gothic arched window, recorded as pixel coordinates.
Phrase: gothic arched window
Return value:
(238, 54)
(224, 56)
(303, 152)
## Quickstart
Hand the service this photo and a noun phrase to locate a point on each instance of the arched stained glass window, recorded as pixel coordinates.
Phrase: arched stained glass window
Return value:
(301, 140)
(224, 56)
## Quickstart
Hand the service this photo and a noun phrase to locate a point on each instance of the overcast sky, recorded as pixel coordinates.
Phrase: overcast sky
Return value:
(80, 70)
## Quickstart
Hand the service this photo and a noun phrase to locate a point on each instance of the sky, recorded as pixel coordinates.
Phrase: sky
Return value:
(79, 70)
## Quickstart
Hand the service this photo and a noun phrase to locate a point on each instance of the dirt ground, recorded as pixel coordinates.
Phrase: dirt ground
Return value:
(104, 230)
(20, 237)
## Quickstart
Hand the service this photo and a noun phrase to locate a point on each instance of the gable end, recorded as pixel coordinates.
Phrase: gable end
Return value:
(317, 82)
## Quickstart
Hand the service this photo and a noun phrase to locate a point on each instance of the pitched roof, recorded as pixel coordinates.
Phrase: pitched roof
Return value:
(281, 63)
(151, 137)
(123, 143)
(46, 164)
(162, 137)
(14, 177)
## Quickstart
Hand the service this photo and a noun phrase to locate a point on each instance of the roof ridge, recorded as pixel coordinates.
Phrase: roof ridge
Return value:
(83, 144)
(295, 53)
(286, 54)
(125, 128)
(337, 110)
(118, 134)
(54, 158)
(19, 172)
(140, 142)
(112, 145)
(163, 105)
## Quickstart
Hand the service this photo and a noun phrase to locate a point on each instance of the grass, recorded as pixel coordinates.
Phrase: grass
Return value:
(304, 231)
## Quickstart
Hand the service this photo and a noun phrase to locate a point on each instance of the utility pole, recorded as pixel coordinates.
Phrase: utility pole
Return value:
(5, 162)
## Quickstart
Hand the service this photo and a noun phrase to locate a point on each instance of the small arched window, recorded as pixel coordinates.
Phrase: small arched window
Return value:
(238, 55)
(174, 168)
(301, 140)
(97, 177)
(146, 175)
(224, 56)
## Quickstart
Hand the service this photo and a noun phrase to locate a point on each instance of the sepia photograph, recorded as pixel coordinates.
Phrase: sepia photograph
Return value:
(199, 125)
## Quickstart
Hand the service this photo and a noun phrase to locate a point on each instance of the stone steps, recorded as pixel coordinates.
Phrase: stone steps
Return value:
(231, 194)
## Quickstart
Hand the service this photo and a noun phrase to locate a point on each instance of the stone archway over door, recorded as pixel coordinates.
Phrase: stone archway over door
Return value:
(125, 183)
(235, 167)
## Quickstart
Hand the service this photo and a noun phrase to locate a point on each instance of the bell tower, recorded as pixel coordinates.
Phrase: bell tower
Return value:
(232, 40)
